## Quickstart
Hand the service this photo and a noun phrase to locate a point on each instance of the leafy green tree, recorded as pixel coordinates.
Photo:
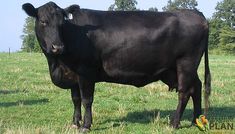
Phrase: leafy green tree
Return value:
(123, 5)
(154, 9)
(225, 11)
(214, 28)
(30, 43)
(180, 4)
(227, 39)
(222, 27)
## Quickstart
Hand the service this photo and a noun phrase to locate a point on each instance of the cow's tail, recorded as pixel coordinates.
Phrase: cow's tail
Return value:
(207, 81)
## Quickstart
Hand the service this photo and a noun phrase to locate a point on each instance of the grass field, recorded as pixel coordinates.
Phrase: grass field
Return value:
(30, 103)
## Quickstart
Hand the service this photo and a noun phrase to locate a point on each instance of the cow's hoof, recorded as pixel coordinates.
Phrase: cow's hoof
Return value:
(175, 125)
(193, 123)
(84, 130)
(75, 126)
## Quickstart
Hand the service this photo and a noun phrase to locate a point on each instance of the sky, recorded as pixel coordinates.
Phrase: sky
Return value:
(12, 17)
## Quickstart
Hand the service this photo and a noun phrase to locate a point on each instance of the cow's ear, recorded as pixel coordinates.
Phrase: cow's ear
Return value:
(69, 11)
(72, 8)
(30, 10)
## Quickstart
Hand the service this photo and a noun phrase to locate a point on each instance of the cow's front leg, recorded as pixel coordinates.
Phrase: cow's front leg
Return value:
(76, 98)
(87, 95)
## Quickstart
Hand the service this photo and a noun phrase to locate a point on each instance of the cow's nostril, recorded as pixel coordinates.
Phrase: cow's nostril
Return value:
(57, 49)
(54, 46)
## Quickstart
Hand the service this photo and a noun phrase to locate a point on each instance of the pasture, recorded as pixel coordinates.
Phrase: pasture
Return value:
(30, 103)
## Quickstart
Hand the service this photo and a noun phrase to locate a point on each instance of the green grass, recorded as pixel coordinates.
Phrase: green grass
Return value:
(30, 103)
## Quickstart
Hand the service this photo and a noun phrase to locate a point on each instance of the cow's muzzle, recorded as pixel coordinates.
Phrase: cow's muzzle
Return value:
(57, 49)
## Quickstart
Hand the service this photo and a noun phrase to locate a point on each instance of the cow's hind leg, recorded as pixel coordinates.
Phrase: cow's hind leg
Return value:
(197, 99)
(76, 98)
(183, 98)
(185, 73)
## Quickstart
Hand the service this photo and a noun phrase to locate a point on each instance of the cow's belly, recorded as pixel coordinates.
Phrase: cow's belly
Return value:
(132, 76)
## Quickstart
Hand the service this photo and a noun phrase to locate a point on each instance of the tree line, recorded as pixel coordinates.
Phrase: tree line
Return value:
(222, 23)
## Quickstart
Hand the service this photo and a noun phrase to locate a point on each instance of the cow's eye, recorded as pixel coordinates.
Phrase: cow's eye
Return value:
(43, 23)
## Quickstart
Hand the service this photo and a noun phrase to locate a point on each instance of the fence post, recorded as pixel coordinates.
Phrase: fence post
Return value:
(9, 51)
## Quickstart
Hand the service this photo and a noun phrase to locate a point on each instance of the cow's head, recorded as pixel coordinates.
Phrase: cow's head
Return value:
(48, 26)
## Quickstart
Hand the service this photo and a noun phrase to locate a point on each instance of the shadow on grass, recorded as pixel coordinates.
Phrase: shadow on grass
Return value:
(147, 116)
(222, 113)
(10, 91)
(23, 102)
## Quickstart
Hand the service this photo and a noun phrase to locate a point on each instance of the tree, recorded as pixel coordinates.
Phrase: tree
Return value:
(227, 39)
(214, 26)
(222, 26)
(154, 9)
(123, 5)
(30, 43)
(180, 4)
(225, 11)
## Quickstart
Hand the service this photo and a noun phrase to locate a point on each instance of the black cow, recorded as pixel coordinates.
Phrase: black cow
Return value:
(136, 48)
